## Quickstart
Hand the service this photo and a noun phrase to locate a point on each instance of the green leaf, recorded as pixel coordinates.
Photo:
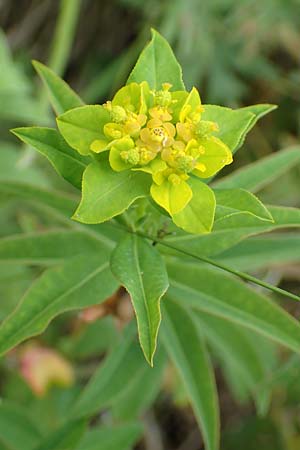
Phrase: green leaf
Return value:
(106, 193)
(65, 438)
(82, 126)
(218, 294)
(113, 377)
(140, 268)
(80, 282)
(186, 348)
(237, 349)
(17, 430)
(142, 391)
(48, 248)
(264, 251)
(231, 201)
(233, 124)
(228, 232)
(259, 174)
(157, 65)
(62, 97)
(121, 437)
(47, 141)
(198, 216)
(259, 111)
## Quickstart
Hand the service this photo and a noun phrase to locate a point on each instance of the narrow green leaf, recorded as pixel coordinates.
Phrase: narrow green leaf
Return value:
(233, 124)
(198, 216)
(265, 251)
(218, 294)
(259, 174)
(140, 268)
(65, 438)
(186, 348)
(67, 162)
(228, 232)
(17, 430)
(231, 201)
(82, 126)
(113, 377)
(157, 65)
(259, 111)
(106, 193)
(62, 97)
(121, 437)
(80, 282)
(49, 247)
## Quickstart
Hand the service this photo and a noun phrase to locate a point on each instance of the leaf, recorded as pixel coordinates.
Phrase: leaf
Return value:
(50, 247)
(113, 377)
(79, 282)
(17, 430)
(140, 268)
(142, 391)
(120, 437)
(157, 65)
(231, 201)
(239, 350)
(215, 293)
(62, 97)
(81, 126)
(198, 215)
(106, 193)
(65, 438)
(263, 251)
(259, 111)
(259, 174)
(68, 163)
(233, 124)
(186, 349)
(228, 232)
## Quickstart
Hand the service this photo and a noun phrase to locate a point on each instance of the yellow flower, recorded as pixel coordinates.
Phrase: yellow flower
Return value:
(162, 133)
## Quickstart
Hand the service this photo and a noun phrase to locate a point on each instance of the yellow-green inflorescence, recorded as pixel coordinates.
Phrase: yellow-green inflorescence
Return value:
(162, 133)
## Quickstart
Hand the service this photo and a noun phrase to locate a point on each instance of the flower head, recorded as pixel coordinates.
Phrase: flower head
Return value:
(162, 133)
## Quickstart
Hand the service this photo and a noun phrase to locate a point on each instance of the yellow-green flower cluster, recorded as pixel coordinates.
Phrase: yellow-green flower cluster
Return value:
(162, 133)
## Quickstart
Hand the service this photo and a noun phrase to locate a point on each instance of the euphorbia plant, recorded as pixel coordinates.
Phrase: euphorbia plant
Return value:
(143, 162)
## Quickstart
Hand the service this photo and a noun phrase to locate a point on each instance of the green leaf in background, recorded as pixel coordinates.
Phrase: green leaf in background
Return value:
(228, 232)
(186, 349)
(157, 65)
(141, 393)
(238, 349)
(120, 437)
(263, 251)
(62, 97)
(198, 216)
(218, 294)
(231, 201)
(113, 377)
(65, 160)
(259, 174)
(65, 438)
(49, 247)
(81, 126)
(233, 124)
(140, 268)
(80, 282)
(106, 193)
(17, 430)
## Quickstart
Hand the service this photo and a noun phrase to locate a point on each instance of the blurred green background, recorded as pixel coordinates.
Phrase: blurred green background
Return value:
(236, 53)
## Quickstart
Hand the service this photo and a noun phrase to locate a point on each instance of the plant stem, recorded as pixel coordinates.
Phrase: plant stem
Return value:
(221, 266)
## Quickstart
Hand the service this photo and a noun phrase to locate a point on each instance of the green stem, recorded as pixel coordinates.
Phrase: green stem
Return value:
(221, 266)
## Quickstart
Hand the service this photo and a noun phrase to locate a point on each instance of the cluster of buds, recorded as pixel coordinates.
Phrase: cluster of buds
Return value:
(162, 133)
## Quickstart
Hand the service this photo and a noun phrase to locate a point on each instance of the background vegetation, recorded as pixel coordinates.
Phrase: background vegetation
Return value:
(236, 53)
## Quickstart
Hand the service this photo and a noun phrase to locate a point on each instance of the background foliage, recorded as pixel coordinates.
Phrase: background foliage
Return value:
(236, 53)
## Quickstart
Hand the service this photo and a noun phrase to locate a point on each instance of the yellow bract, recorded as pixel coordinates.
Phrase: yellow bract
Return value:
(162, 133)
